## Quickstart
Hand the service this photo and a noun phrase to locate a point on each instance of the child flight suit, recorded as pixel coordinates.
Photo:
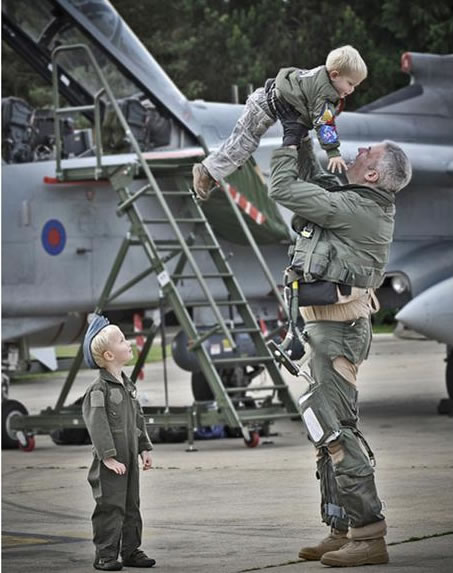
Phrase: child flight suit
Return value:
(117, 428)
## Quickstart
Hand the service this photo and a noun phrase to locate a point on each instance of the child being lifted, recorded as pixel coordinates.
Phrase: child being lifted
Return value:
(316, 96)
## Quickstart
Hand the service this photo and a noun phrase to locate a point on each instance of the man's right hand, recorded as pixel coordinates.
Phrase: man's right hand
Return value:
(293, 130)
(115, 466)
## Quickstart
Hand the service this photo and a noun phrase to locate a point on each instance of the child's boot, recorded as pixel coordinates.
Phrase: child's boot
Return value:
(138, 559)
(203, 183)
(107, 564)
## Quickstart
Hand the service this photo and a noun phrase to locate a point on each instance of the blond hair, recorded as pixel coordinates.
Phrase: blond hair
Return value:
(347, 60)
(101, 343)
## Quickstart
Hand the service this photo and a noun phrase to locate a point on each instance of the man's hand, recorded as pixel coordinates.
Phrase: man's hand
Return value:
(146, 459)
(337, 163)
(293, 132)
(115, 466)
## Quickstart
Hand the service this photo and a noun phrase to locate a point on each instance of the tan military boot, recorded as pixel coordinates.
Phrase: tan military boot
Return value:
(332, 542)
(354, 553)
(203, 183)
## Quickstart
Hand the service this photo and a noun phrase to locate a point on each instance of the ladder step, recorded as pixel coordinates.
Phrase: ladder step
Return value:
(172, 193)
(238, 361)
(164, 221)
(175, 245)
(205, 276)
(255, 388)
(201, 303)
(244, 330)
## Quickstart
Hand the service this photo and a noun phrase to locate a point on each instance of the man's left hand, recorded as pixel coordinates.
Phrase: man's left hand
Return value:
(146, 459)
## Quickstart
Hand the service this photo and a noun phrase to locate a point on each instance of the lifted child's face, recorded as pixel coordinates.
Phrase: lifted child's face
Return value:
(120, 350)
(343, 84)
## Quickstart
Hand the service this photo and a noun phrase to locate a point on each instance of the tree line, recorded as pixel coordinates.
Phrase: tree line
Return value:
(205, 46)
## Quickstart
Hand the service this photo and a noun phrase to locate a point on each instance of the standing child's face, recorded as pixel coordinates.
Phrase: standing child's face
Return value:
(344, 84)
(119, 350)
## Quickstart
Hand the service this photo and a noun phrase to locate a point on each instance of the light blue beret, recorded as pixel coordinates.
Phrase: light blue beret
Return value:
(96, 325)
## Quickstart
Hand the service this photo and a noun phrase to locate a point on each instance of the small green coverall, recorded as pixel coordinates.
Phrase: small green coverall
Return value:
(117, 428)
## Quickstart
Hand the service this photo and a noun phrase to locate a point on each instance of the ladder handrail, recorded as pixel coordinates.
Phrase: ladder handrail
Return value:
(249, 236)
(56, 52)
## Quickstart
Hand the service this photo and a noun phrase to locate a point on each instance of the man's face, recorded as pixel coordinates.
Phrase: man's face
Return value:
(362, 170)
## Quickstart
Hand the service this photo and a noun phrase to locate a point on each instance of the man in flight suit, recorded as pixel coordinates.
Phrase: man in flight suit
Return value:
(344, 236)
(115, 422)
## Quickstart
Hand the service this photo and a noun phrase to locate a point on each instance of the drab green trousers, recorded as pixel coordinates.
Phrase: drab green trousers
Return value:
(348, 492)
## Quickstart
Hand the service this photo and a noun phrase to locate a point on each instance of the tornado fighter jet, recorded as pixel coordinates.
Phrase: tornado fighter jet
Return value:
(59, 241)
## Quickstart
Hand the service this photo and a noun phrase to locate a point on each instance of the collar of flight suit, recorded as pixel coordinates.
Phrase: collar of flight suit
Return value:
(379, 196)
(105, 375)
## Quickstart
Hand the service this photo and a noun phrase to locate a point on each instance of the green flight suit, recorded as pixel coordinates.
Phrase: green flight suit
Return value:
(313, 96)
(352, 231)
(115, 422)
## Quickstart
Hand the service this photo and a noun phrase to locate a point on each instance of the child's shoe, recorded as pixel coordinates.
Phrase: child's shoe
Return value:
(107, 564)
(203, 183)
(138, 559)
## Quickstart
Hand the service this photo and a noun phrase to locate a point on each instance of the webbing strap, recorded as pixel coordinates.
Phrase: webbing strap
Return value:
(309, 254)
(361, 437)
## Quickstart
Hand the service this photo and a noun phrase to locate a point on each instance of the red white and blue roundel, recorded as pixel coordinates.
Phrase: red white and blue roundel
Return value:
(53, 237)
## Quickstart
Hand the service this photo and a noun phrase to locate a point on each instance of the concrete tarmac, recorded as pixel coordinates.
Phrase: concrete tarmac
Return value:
(230, 509)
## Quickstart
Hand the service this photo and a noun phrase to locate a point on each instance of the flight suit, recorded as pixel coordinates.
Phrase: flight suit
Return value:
(345, 237)
(115, 422)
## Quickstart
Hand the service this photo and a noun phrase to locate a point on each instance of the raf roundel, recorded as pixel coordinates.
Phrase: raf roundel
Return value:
(53, 237)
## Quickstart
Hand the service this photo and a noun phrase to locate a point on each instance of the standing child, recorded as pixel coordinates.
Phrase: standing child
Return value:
(316, 96)
(117, 428)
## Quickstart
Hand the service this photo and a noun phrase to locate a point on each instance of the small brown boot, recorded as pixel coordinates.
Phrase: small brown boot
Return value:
(332, 542)
(203, 183)
(354, 553)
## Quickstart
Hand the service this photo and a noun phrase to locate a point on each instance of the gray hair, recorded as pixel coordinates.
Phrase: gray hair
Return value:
(394, 168)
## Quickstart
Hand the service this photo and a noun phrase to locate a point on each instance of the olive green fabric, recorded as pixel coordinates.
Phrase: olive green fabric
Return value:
(248, 181)
(115, 422)
(312, 94)
(347, 480)
(352, 225)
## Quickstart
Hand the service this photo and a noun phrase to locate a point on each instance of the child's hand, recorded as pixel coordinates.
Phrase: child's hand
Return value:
(115, 466)
(146, 458)
(337, 163)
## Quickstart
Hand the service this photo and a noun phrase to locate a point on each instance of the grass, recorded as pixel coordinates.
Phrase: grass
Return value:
(154, 355)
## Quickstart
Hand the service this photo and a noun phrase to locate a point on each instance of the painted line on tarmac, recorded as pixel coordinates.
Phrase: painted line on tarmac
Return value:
(410, 540)
(15, 539)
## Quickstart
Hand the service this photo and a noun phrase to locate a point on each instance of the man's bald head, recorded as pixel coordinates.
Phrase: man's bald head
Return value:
(384, 165)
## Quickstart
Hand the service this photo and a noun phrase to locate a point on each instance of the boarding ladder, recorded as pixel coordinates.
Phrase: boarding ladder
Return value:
(183, 255)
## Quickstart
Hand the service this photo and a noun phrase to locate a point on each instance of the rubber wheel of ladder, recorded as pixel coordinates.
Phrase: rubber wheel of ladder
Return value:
(254, 440)
(30, 445)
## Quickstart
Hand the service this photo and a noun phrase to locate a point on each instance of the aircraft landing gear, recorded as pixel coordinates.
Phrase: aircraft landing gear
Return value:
(446, 404)
(10, 438)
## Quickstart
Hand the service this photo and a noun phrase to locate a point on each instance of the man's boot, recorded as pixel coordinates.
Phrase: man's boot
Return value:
(354, 553)
(203, 183)
(366, 547)
(332, 542)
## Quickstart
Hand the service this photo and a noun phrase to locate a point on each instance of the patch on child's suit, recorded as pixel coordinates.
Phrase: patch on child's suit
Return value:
(97, 399)
(116, 395)
(328, 134)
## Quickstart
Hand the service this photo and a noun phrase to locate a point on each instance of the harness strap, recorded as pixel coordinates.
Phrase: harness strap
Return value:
(335, 510)
(361, 437)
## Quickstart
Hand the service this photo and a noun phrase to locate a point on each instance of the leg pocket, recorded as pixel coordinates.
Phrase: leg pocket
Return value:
(357, 340)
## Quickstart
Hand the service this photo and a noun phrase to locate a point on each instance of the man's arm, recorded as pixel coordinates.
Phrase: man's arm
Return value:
(310, 168)
(302, 197)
